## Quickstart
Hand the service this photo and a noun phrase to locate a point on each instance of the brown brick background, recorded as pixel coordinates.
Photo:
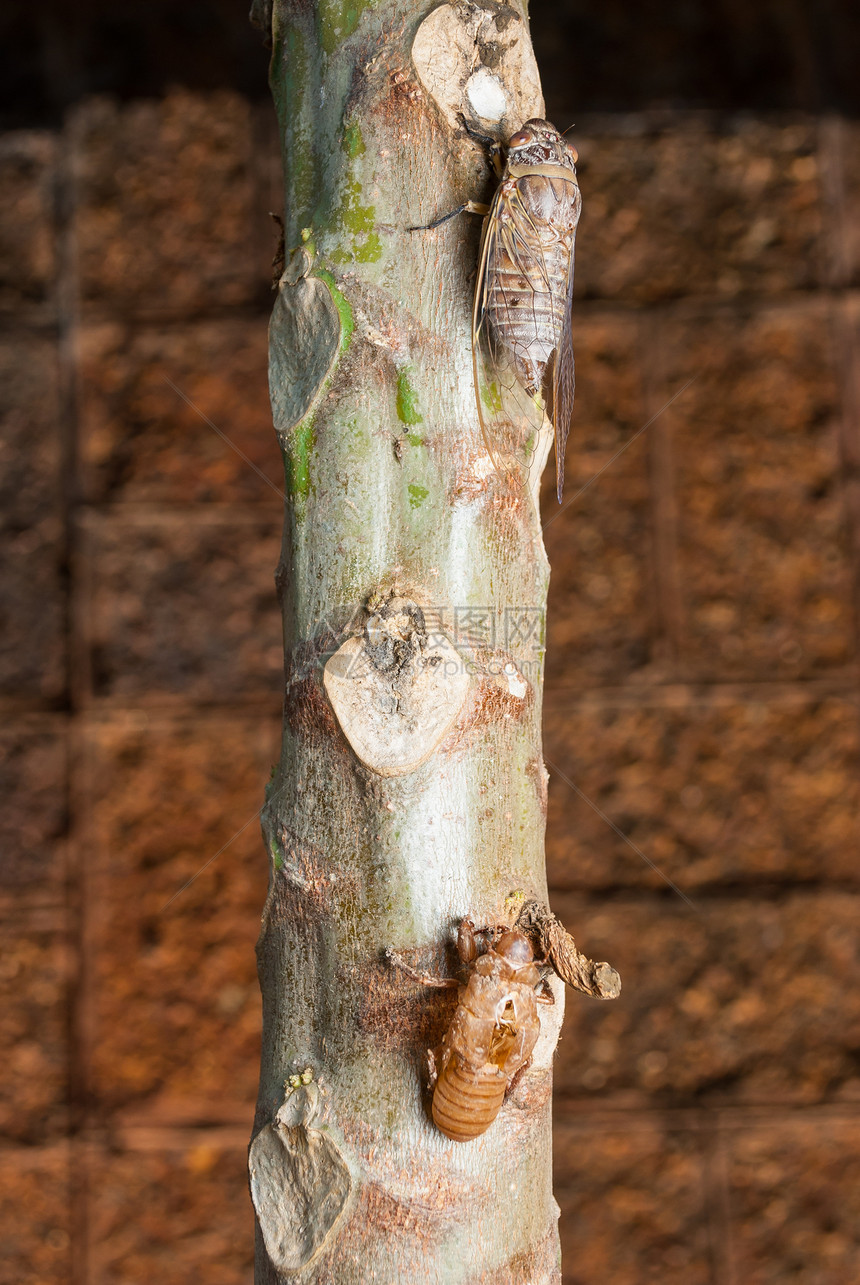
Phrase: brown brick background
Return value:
(702, 694)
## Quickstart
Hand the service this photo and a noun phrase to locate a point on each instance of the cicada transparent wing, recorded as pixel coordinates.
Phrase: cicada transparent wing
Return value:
(563, 386)
(511, 280)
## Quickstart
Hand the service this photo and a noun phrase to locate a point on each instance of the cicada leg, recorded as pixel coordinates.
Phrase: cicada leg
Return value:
(441, 983)
(517, 1076)
(546, 995)
(468, 207)
(486, 140)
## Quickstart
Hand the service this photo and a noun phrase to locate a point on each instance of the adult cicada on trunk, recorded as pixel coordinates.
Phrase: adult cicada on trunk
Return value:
(521, 325)
(522, 346)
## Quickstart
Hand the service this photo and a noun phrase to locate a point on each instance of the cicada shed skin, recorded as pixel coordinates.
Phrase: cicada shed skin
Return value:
(495, 1028)
(524, 292)
(491, 1038)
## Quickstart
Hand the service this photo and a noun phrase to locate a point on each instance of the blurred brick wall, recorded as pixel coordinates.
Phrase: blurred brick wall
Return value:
(701, 692)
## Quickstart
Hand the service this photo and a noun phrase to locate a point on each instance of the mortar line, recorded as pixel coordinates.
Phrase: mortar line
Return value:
(831, 142)
(664, 512)
(168, 710)
(681, 307)
(725, 1264)
(714, 1195)
(78, 1015)
(844, 310)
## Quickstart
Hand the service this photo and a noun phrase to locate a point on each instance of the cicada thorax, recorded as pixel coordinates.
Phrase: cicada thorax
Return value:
(522, 332)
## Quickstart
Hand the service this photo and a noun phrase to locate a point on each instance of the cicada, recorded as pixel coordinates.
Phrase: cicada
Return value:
(493, 1032)
(522, 346)
(492, 1036)
(491, 1039)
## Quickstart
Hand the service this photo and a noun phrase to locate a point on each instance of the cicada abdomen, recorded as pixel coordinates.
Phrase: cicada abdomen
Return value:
(490, 1039)
(466, 1102)
(521, 332)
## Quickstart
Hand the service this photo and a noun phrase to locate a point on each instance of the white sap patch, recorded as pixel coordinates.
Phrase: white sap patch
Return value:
(517, 685)
(486, 95)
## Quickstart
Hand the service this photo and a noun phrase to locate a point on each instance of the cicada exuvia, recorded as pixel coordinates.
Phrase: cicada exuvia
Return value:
(495, 1027)
(522, 344)
(492, 1035)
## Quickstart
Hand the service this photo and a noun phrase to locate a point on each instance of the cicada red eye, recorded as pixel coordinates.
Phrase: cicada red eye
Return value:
(521, 139)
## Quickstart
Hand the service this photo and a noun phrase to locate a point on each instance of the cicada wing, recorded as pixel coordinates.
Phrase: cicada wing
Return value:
(510, 414)
(511, 419)
(563, 385)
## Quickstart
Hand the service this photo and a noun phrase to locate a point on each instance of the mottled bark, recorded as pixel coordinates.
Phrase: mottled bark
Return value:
(411, 790)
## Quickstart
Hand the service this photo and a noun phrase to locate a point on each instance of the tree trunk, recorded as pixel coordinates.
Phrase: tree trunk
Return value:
(411, 790)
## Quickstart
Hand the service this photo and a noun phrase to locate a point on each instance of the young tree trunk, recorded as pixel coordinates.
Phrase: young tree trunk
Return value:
(411, 790)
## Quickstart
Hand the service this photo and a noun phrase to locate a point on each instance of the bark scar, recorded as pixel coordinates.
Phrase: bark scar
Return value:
(396, 690)
(300, 1183)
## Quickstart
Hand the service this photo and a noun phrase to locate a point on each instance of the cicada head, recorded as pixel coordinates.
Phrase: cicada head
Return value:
(514, 958)
(515, 948)
(539, 143)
